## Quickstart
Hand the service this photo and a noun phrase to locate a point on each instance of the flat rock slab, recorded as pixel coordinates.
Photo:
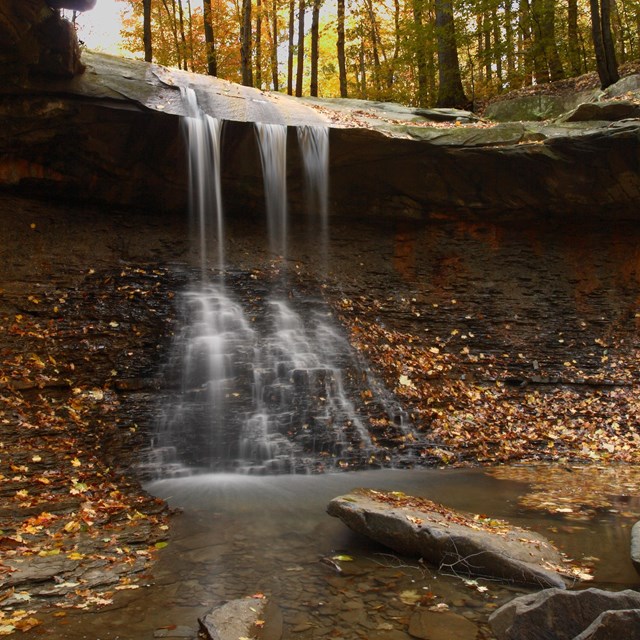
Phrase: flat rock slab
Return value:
(566, 615)
(454, 542)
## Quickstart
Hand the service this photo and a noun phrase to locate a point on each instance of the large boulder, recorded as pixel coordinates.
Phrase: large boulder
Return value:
(536, 107)
(565, 615)
(452, 541)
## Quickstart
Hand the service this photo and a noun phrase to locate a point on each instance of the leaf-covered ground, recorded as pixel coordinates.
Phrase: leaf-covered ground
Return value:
(492, 417)
(74, 527)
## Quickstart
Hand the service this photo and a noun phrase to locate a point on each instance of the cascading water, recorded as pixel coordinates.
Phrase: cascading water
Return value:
(266, 396)
(314, 148)
(203, 133)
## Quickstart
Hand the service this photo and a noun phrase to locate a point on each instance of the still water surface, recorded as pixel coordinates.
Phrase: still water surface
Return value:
(240, 535)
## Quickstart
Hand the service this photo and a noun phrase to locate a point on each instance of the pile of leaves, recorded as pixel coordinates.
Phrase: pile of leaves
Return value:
(75, 527)
(403, 501)
(486, 418)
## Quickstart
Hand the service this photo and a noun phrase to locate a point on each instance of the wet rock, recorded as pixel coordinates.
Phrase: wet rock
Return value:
(435, 625)
(560, 614)
(247, 617)
(635, 545)
(612, 624)
(449, 540)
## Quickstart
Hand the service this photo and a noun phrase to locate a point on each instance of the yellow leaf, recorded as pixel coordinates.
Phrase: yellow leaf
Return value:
(71, 526)
(76, 463)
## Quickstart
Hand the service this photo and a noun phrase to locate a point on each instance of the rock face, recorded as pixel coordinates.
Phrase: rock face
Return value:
(35, 40)
(451, 541)
(568, 615)
(113, 135)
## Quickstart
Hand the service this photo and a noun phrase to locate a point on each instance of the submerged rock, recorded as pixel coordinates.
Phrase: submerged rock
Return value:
(567, 615)
(243, 618)
(454, 542)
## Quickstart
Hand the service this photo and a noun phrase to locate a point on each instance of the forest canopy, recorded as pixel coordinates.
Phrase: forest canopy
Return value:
(450, 53)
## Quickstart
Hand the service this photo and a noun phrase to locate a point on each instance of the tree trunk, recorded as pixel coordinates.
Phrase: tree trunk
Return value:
(487, 44)
(509, 42)
(603, 43)
(292, 27)
(300, 66)
(450, 91)
(497, 43)
(183, 37)
(572, 37)
(171, 15)
(274, 45)
(550, 41)
(363, 72)
(146, 30)
(420, 52)
(315, 25)
(374, 44)
(245, 45)
(209, 38)
(258, 44)
(391, 68)
(342, 65)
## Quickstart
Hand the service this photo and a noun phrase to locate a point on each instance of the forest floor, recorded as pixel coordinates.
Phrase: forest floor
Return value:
(567, 86)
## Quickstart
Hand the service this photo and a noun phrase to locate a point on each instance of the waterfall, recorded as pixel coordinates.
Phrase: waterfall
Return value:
(272, 142)
(314, 148)
(202, 133)
(266, 396)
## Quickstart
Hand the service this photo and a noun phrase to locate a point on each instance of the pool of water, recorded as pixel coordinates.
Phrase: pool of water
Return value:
(240, 535)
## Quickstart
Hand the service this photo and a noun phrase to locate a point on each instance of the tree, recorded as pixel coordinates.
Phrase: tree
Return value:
(146, 22)
(420, 52)
(315, 20)
(259, 44)
(274, 45)
(342, 64)
(300, 65)
(603, 42)
(292, 28)
(450, 91)
(209, 38)
(245, 45)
